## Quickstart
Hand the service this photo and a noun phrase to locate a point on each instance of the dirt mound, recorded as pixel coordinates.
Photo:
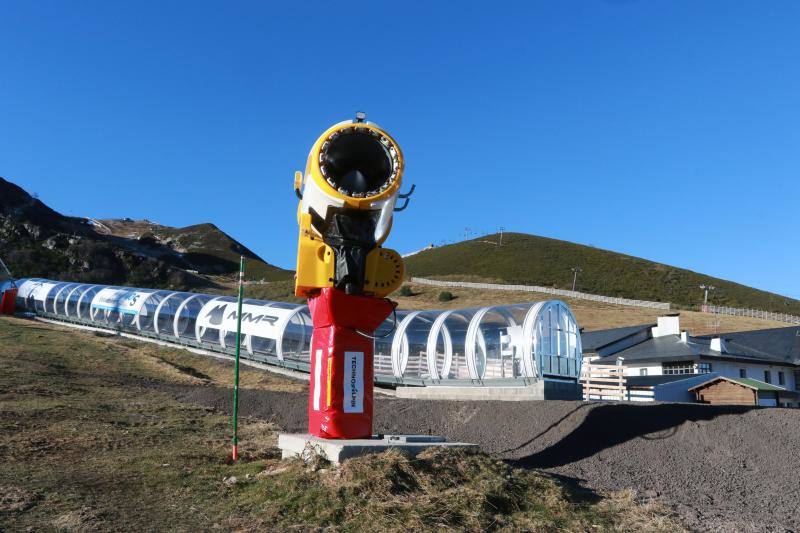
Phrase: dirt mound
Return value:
(720, 468)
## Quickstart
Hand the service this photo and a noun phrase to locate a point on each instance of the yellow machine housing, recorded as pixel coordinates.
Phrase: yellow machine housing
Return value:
(347, 198)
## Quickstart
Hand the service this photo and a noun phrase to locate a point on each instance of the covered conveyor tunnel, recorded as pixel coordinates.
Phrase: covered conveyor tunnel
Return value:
(479, 346)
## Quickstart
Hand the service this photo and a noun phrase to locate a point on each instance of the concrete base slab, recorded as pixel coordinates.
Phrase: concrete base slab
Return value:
(538, 390)
(337, 450)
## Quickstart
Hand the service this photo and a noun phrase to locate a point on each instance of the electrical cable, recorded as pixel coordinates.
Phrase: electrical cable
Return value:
(390, 332)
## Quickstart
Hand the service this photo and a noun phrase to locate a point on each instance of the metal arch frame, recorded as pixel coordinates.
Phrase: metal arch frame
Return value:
(60, 286)
(44, 297)
(21, 285)
(285, 324)
(137, 321)
(399, 352)
(532, 359)
(511, 323)
(446, 328)
(158, 310)
(178, 312)
(578, 344)
(31, 300)
(69, 297)
(470, 341)
(430, 349)
(93, 310)
(55, 298)
(248, 338)
(107, 312)
(221, 332)
(529, 362)
(80, 300)
(200, 334)
(475, 336)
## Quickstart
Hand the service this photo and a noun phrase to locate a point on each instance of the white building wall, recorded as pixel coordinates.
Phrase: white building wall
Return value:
(653, 369)
(727, 369)
(756, 371)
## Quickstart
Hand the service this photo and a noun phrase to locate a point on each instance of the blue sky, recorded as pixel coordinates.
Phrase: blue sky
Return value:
(662, 129)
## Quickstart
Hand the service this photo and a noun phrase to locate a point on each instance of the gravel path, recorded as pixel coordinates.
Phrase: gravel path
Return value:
(720, 468)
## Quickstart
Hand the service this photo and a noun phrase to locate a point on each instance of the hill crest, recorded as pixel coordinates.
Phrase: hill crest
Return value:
(534, 260)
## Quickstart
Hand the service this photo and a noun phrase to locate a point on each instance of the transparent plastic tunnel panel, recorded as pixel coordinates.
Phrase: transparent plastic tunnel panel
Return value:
(507, 342)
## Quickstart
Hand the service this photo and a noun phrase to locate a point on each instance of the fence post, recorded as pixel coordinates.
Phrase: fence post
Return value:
(587, 386)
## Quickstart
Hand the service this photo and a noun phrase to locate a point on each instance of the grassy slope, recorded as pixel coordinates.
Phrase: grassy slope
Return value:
(85, 444)
(590, 315)
(532, 260)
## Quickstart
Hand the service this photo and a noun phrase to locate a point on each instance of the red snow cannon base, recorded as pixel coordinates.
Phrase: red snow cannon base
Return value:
(8, 301)
(340, 398)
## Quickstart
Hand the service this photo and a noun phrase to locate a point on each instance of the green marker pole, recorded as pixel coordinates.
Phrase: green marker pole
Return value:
(235, 454)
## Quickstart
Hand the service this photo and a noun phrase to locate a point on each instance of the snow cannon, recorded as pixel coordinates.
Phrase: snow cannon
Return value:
(348, 196)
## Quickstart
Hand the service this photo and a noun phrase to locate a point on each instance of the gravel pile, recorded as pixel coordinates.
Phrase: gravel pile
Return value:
(720, 468)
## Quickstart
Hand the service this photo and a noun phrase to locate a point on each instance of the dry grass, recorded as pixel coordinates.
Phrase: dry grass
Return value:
(440, 490)
(181, 366)
(590, 315)
(87, 443)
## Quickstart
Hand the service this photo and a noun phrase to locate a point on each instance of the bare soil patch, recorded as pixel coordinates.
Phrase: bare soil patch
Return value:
(719, 468)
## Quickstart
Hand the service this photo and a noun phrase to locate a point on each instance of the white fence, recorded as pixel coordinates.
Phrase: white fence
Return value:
(603, 382)
(633, 395)
(545, 290)
(640, 395)
(754, 313)
(609, 383)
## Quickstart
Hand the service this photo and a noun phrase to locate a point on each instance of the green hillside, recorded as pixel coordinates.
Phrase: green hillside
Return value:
(532, 260)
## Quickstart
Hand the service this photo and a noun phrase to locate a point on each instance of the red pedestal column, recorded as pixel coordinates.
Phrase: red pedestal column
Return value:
(7, 302)
(340, 399)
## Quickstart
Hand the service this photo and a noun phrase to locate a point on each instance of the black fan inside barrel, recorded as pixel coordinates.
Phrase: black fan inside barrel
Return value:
(358, 163)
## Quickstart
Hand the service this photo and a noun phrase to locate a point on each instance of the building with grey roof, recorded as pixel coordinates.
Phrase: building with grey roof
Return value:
(651, 353)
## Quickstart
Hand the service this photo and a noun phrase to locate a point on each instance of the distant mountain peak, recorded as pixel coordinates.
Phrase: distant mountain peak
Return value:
(38, 241)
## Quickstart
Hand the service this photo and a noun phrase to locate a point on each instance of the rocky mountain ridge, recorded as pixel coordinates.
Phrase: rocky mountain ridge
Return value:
(37, 241)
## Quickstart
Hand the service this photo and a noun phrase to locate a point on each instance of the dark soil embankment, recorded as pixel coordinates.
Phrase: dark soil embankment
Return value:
(721, 468)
